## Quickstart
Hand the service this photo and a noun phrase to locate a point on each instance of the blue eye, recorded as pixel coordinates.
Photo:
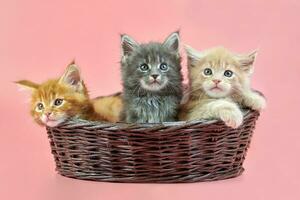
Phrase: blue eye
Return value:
(207, 71)
(163, 67)
(144, 67)
(228, 73)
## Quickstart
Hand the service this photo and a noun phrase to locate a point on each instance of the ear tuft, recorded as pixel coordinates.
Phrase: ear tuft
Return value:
(27, 85)
(247, 61)
(128, 44)
(172, 42)
(72, 77)
(192, 54)
(72, 62)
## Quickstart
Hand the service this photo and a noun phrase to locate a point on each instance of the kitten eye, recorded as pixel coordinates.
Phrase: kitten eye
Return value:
(58, 102)
(144, 67)
(207, 71)
(228, 73)
(163, 67)
(40, 106)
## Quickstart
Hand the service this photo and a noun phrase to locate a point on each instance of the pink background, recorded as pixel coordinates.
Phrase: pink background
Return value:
(38, 39)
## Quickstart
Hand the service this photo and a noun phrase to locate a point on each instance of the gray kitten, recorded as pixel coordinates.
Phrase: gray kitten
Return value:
(152, 79)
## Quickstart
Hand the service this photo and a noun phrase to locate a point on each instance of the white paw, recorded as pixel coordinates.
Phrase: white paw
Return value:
(232, 118)
(258, 103)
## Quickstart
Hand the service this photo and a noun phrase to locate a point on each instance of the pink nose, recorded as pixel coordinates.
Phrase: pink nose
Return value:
(48, 114)
(216, 81)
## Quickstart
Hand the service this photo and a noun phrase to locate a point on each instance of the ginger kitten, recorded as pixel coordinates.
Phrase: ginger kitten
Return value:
(219, 85)
(57, 100)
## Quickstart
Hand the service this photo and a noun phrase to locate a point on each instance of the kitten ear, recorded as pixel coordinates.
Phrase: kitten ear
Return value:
(172, 42)
(128, 44)
(72, 77)
(27, 85)
(246, 61)
(192, 54)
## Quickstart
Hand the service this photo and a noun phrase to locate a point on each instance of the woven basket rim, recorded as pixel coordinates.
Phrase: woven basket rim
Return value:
(77, 122)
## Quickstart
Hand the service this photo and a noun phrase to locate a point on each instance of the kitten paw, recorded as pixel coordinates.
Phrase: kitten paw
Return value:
(232, 118)
(257, 102)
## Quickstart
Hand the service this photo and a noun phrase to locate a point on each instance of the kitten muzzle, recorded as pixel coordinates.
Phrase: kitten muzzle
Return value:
(154, 82)
(216, 88)
(154, 79)
(50, 121)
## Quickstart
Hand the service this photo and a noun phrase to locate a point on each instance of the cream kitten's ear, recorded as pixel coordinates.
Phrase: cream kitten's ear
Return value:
(27, 85)
(172, 42)
(192, 54)
(128, 44)
(72, 77)
(247, 61)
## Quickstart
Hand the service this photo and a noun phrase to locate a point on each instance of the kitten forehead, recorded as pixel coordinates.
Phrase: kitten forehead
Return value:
(152, 53)
(222, 64)
(52, 89)
(48, 91)
(220, 55)
(154, 58)
(214, 57)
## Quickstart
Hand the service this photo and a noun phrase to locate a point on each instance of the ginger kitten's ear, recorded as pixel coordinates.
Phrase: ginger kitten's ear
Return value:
(128, 45)
(193, 55)
(246, 61)
(72, 77)
(27, 85)
(172, 42)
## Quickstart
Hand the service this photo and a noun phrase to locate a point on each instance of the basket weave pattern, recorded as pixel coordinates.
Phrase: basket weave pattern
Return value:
(174, 152)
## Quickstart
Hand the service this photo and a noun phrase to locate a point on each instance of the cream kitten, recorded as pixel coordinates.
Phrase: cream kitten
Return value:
(219, 85)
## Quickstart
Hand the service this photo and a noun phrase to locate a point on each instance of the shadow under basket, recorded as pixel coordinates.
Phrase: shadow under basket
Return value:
(173, 152)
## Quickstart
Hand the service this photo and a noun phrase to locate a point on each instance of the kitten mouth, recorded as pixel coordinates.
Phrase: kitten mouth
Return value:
(48, 119)
(216, 88)
(51, 122)
(155, 82)
(153, 85)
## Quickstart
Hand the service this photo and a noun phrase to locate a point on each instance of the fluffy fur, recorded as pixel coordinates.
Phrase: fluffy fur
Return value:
(109, 107)
(152, 78)
(55, 101)
(219, 86)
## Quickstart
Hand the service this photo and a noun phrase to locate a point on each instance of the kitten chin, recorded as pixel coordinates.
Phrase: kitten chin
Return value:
(151, 75)
(219, 85)
(217, 92)
(53, 123)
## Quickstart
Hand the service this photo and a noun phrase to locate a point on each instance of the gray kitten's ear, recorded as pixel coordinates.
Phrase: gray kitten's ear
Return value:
(246, 61)
(172, 42)
(72, 77)
(128, 45)
(192, 54)
(27, 85)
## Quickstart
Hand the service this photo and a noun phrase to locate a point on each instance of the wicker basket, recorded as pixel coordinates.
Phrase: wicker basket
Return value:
(174, 152)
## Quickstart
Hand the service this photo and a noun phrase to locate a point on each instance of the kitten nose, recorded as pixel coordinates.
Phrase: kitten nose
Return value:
(48, 114)
(154, 76)
(216, 81)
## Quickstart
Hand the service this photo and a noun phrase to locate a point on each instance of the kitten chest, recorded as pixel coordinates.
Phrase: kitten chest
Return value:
(153, 109)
